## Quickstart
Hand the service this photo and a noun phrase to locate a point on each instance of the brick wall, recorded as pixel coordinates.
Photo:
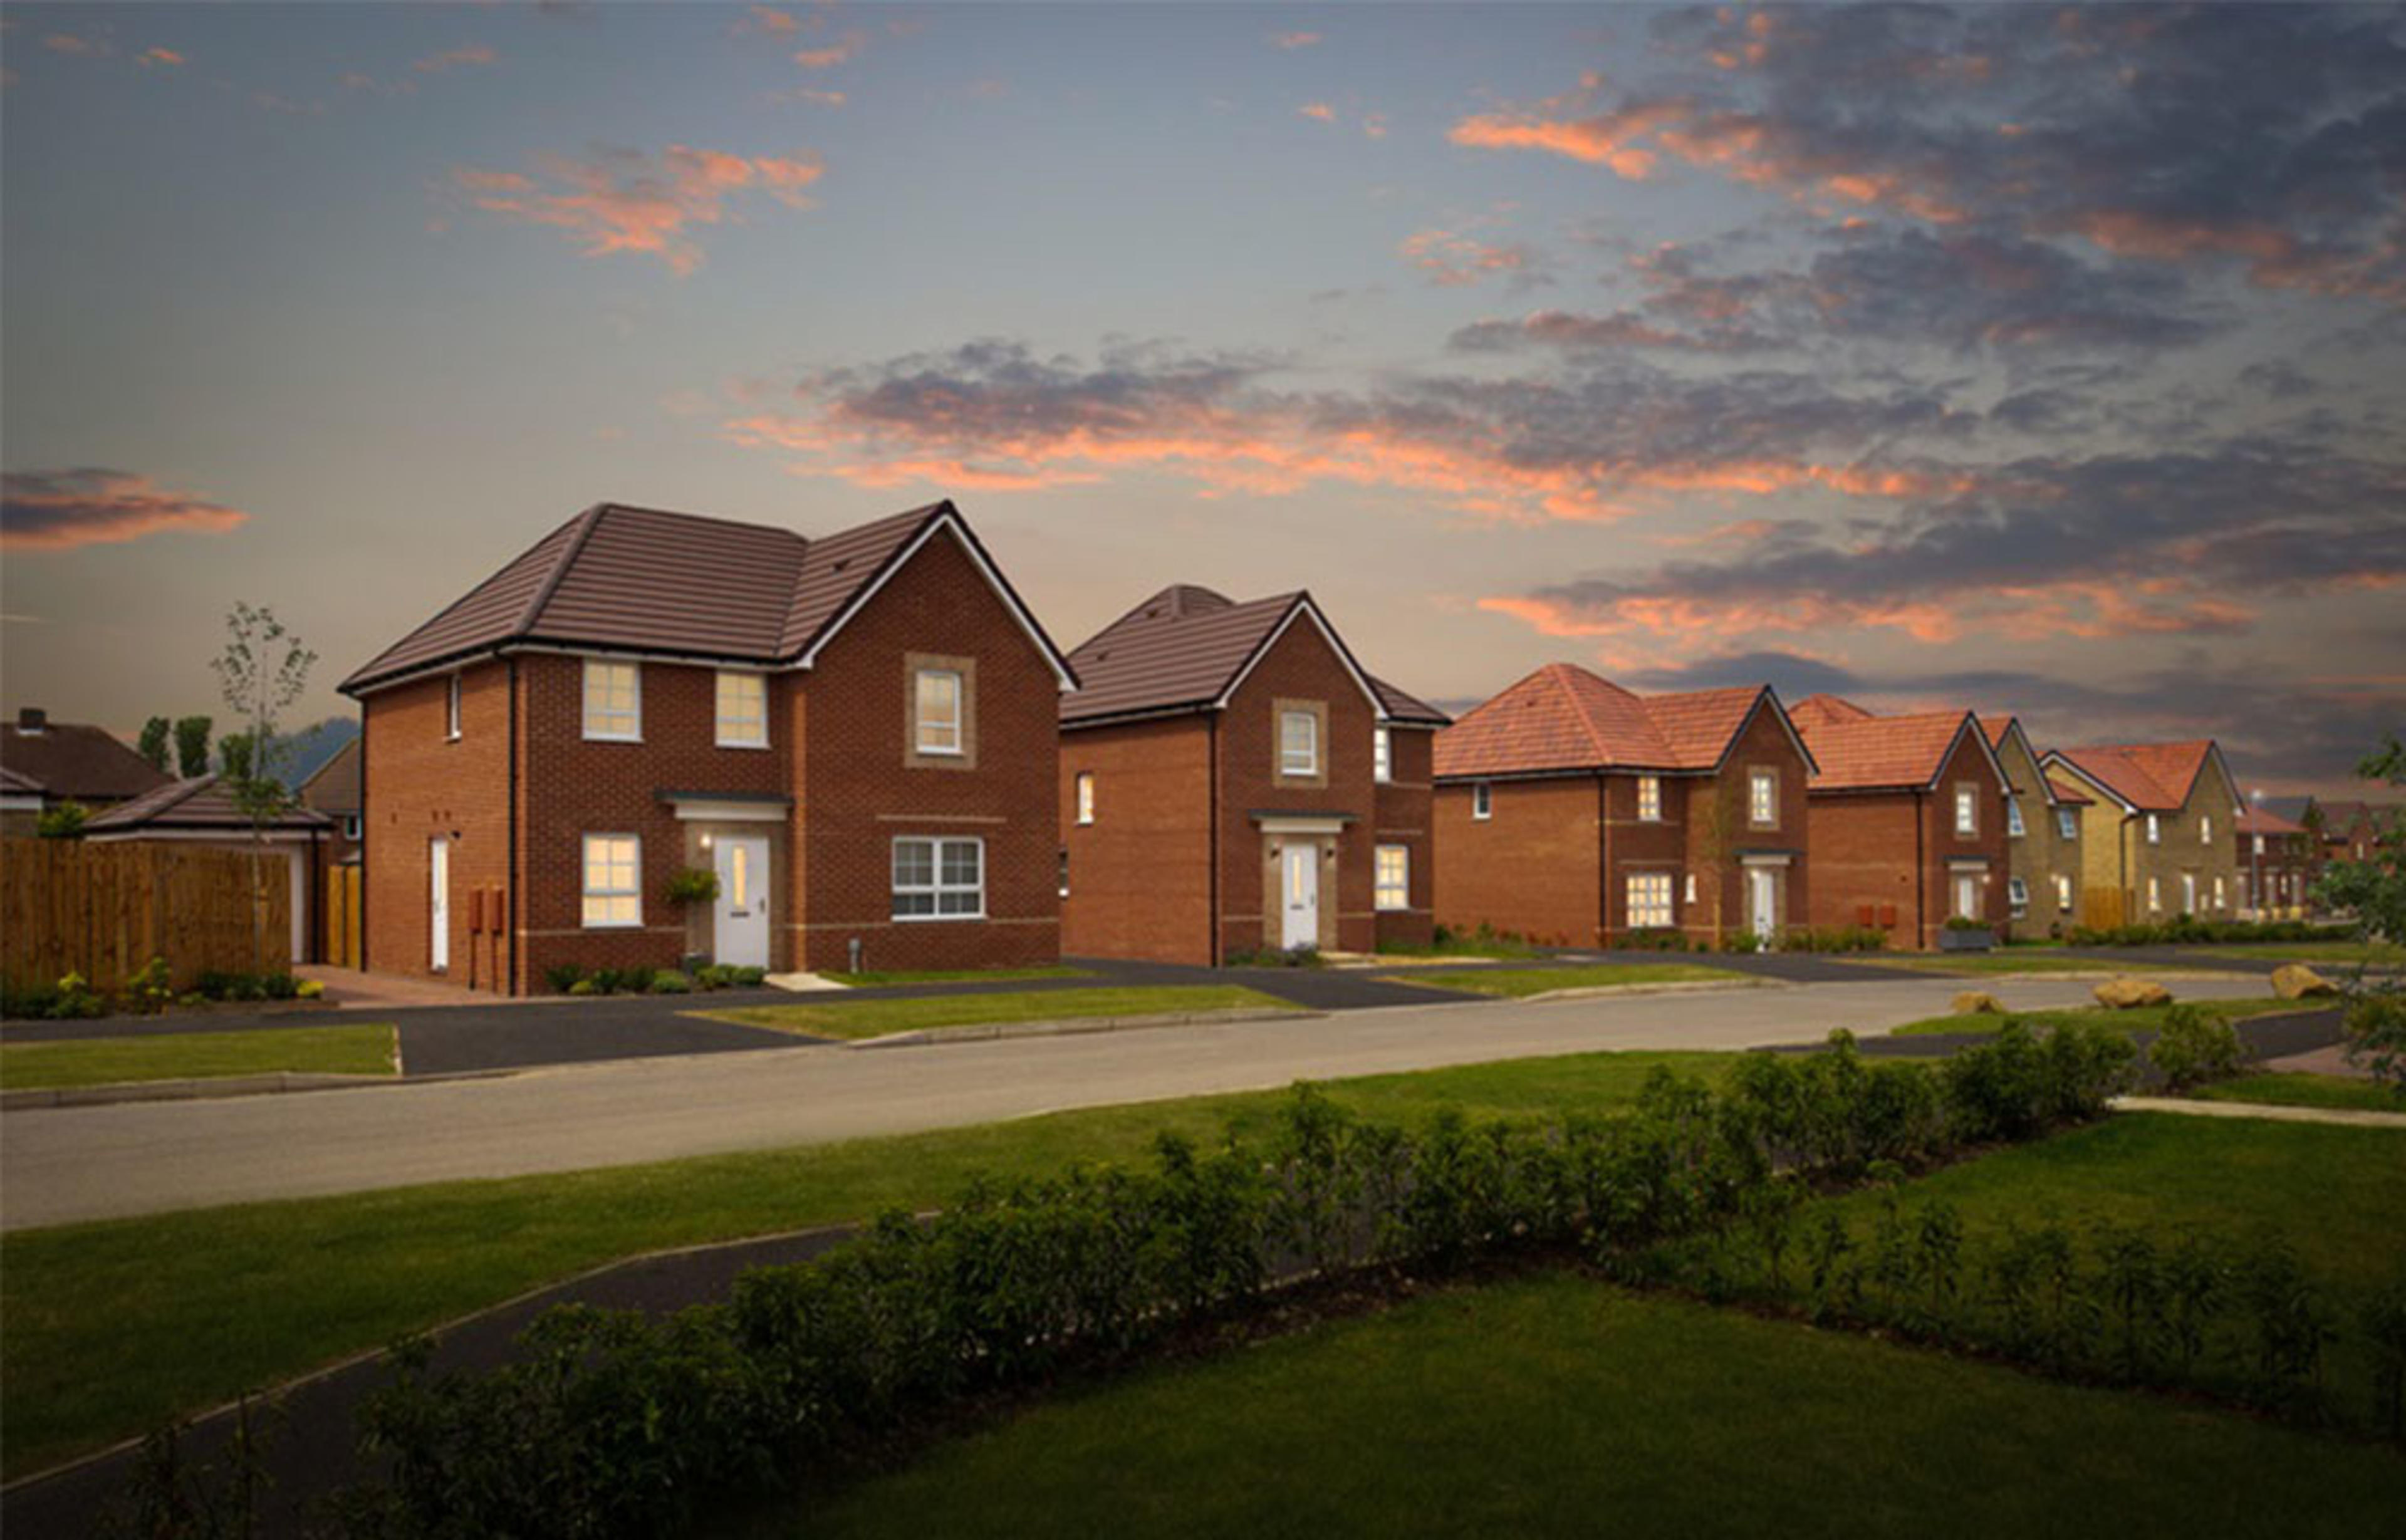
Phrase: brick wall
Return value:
(1532, 868)
(2042, 852)
(1139, 875)
(422, 785)
(1862, 845)
(1300, 667)
(1404, 816)
(1765, 744)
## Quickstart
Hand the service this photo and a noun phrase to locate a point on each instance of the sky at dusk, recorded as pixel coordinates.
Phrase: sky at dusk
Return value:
(2038, 360)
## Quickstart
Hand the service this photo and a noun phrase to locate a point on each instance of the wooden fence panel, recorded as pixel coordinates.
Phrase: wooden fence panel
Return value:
(2103, 908)
(340, 929)
(103, 911)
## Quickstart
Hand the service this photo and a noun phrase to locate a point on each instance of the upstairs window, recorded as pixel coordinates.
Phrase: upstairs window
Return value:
(1382, 756)
(935, 711)
(939, 879)
(1649, 799)
(1967, 811)
(1086, 796)
(743, 711)
(2155, 833)
(451, 708)
(614, 701)
(2260, 845)
(1298, 743)
(2014, 818)
(2067, 823)
(614, 865)
(1762, 799)
(2205, 828)
(1481, 803)
(351, 827)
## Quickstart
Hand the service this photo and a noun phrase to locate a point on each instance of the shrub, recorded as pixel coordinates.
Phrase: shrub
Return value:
(748, 977)
(2193, 1048)
(693, 886)
(635, 981)
(1649, 941)
(279, 987)
(1964, 922)
(151, 989)
(74, 1000)
(311, 989)
(562, 977)
(1838, 939)
(1741, 940)
(668, 981)
(31, 1003)
(63, 822)
(607, 981)
(586, 986)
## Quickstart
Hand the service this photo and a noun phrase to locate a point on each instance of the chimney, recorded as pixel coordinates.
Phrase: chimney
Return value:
(32, 719)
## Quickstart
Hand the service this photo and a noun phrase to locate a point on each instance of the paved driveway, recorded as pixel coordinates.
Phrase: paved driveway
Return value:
(69, 1164)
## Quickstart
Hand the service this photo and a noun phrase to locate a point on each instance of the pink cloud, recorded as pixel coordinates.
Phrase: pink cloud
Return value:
(168, 57)
(1453, 260)
(68, 43)
(1291, 40)
(843, 50)
(468, 56)
(627, 201)
(769, 19)
(64, 510)
(1320, 111)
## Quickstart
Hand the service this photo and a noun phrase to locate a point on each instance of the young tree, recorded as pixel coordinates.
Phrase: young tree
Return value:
(192, 746)
(65, 821)
(1717, 825)
(2374, 890)
(152, 745)
(262, 670)
(233, 756)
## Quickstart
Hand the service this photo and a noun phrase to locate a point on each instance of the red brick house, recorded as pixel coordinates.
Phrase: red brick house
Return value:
(856, 733)
(1906, 819)
(1234, 782)
(2279, 862)
(1575, 812)
(57, 762)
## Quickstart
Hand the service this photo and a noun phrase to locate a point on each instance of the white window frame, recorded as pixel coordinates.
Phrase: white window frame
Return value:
(2154, 830)
(921, 722)
(1967, 812)
(937, 888)
(2062, 892)
(2067, 823)
(1287, 765)
(2189, 893)
(1762, 799)
(2017, 894)
(2015, 827)
(2217, 895)
(1649, 799)
(1651, 912)
(351, 827)
(722, 722)
(2155, 896)
(1483, 801)
(633, 892)
(1691, 887)
(451, 709)
(1085, 785)
(1394, 893)
(1382, 755)
(2260, 845)
(605, 668)
(2205, 828)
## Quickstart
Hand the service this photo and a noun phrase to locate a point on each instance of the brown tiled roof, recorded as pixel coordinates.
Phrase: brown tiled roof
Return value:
(74, 761)
(2151, 777)
(1182, 649)
(19, 785)
(1879, 752)
(2265, 821)
(335, 786)
(1405, 709)
(1564, 719)
(650, 580)
(203, 803)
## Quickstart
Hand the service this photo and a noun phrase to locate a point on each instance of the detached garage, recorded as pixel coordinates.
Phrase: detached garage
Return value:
(203, 812)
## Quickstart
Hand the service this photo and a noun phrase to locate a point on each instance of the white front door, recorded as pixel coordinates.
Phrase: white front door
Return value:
(1967, 897)
(2189, 893)
(438, 903)
(1762, 901)
(1302, 888)
(741, 938)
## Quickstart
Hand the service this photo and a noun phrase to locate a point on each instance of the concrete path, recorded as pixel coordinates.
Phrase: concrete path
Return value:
(65, 1165)
(2344, 1116)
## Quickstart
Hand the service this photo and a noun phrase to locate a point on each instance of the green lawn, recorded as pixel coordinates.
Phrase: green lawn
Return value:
(871, 979)
(2385, 953)
(2146, 1018)
(1470, 946)
(1520, 983)
(1975, 965)
(1557, 1406)
(114, 1326)
(875, 1017)
(346, 1050)
(2292, 1090)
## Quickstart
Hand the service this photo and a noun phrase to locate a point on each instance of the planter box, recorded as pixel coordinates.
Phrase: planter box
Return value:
(1966, 940)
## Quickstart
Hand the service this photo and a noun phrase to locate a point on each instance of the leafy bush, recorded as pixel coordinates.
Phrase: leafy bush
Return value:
(2186, 929)
(668, 981)
(693, 886)
(586, 986)
(750, 975)
(1838, 939)
(30, 1003)
(635, 981)
(65, 821)
(1293, 956)
(75, 1000)
(1741, 940)
(562, 977)
(151, 989)
(1649, 941)
(311, 989)
(280, 987)
(2193, 1048)
(1964, 922)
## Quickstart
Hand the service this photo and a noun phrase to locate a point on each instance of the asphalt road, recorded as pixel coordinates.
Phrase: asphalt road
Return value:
(63, 1165)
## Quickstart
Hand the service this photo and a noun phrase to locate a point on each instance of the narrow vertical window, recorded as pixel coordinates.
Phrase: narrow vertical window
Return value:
(1649, 799)
(2067, 823)
(743, 711)
(2155, 896)
(935, 711)
(451, 708)
(1481, 804)
(2018, 891)
(1382, 756)
(2205, 828)
(614, 701)
(1086, 796)
(2063, 892)
(2154, 830)
(1394, 877)
(1762, 799)
(1967, 811)
(2014, 819)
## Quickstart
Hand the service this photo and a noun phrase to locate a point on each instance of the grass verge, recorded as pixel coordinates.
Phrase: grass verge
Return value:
(1520, 983)
(2385, 954)
(2297, 1090)
(872, 980)
(854, 1018)
(2146, 1018)
(114, 1326)
(1981, 964)
(1553, 1405)
(346, 1050)
(1471, 948)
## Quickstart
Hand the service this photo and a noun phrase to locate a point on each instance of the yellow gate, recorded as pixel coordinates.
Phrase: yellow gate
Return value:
(340, 944)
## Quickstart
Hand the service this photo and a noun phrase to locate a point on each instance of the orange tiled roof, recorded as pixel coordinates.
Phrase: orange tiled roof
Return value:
(2259, 821)
(2066, 792)
(1867, 753)
(2151, 777)
(1564, 719)
(1826, 709)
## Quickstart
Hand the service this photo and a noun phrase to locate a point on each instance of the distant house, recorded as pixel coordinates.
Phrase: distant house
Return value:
(1233, 780)
(21, 803)
(334, 789)
(2042, 835)
(1574, 812)
(73, 762)
(2156, 840)
(854, 733)
(203, 812)
(1907, 819)
(2278, 861)
(2351, 828)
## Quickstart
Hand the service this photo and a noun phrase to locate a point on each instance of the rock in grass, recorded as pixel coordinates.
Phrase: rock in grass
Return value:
(1979, 1002)
(2295, 982)
(2131, 994)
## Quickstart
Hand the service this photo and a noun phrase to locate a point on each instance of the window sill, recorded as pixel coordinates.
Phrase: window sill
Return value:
(611, 924)
(934, 919)
(926, 752)
(742, 744)
(614, 738)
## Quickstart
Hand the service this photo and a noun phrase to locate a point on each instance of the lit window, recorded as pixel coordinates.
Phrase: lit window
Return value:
(1967, 811)
(613, 701)
(1650, 798)
(1691, 887)
(2063, 892)
(1382, 756)
(2014, 819)
(739, 876)
(935, 711)
(2189, 893)
(1394, 877)
(2260, 845)
(1763, 798)
(614, 867)
(2154, 830)
(1298, 743)
(2155, 896)
(1086, 796)
(2018, 892)
(2067, 823)
(1481, 804)
(1650, 900)
(743, 711)
(2217, 893)
(2205, 828)
(1065, 871)
(451, 709)
(939, 879)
